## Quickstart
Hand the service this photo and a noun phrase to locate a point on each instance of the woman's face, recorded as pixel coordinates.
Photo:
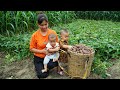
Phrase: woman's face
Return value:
(43, 26)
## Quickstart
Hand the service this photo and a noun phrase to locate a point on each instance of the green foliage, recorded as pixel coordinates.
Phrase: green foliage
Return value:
(16, 47)
(99, 15)
(100, 67)
(58, 17)
(103, 36)
(17, 22)
(9, 58)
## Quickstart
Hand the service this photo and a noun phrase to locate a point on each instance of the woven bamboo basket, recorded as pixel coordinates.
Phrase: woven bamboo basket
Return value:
(79, 65)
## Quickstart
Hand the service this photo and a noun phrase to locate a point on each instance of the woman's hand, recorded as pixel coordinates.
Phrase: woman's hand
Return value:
(45, 51)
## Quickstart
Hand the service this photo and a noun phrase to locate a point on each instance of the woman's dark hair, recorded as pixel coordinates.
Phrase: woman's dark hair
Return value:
(42, 17)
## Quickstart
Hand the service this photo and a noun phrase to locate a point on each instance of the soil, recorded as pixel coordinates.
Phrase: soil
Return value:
(24, 69)
(114, 71)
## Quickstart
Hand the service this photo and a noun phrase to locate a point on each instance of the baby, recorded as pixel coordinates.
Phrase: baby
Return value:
(63, 42)
(52, 48)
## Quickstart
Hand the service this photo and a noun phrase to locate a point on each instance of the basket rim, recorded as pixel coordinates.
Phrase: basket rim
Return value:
(82, 54)
(93, 51)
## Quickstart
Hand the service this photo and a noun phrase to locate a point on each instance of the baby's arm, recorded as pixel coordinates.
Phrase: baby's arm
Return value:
(52, 50)
(65, 46)
(57, 48)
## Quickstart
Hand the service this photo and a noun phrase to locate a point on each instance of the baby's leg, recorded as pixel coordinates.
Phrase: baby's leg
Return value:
(45, 68)
(56, 56)
(45, 62)
(55, 59)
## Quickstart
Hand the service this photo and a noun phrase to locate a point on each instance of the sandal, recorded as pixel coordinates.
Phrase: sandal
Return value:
(60, 73)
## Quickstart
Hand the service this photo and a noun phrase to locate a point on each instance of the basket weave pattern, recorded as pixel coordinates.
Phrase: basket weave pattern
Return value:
(77, 64)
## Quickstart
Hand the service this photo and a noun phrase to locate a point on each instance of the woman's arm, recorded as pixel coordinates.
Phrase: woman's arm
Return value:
(34, 50)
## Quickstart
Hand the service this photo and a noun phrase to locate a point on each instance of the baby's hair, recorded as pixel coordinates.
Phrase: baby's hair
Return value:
(52, 36)
(63, 31)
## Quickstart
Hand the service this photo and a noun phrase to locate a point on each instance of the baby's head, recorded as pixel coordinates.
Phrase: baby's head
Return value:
(64, 34)
(52, 39)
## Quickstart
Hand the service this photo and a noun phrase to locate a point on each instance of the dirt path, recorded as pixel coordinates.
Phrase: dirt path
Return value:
(24, 69)
(114, 71)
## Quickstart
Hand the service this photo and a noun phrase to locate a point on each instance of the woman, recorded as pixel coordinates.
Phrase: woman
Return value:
(38, 43)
